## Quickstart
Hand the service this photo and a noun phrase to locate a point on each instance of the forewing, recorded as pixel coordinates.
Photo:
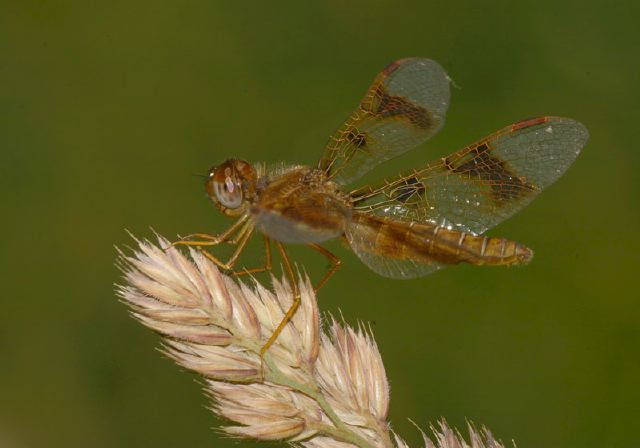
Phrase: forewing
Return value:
(404, 106)
(481, 185)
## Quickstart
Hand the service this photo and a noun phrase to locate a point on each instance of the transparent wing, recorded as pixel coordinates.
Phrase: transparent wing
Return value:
(360, 241)
(483, 184)
(404, 106)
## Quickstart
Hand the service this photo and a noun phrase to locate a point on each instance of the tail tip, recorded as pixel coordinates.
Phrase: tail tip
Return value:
(523, 254)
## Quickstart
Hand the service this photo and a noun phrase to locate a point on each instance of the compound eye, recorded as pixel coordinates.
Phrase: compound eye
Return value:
(228, 192)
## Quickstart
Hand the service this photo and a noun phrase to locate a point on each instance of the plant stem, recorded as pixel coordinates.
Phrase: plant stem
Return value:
(341, 431)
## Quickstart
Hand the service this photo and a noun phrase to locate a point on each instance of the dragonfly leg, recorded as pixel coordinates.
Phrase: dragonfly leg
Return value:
(242, 244)
(210, 240)
(267, 265)
(294, 306)
(335, 264)
(240, 235)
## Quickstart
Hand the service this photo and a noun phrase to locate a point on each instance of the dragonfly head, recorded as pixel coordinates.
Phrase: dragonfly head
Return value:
(231, 185)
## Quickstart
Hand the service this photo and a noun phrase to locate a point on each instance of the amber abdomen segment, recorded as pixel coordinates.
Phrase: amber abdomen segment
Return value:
(426, 243)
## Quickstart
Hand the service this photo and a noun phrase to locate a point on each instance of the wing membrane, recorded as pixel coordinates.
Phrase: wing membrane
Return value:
(385, 266)
(362, 240)
(404, 106)
(481, 185)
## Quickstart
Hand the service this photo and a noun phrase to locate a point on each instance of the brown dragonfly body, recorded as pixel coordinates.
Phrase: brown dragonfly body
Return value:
(303, 205)
(409, 226)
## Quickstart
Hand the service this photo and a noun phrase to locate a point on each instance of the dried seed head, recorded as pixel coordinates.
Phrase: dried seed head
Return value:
(351, 371)
(324, 390)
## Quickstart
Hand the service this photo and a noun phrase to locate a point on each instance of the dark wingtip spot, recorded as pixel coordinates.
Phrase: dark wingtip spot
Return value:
(397, 106)
(504, 184)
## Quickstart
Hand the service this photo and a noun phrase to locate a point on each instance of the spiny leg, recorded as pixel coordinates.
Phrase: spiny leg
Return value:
(210, 240)
(294, 306)
(335, 264)
(240, 235)
(267, 266)
(234, 257)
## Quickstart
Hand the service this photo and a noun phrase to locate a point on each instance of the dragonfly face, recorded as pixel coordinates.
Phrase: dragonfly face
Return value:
(231, 185)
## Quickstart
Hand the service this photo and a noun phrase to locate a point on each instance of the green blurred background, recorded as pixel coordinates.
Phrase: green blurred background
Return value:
(108, 109)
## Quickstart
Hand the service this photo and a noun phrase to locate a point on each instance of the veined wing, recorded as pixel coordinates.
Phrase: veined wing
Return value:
(404, 106)
(380, 246)
(483, 184)
(387, 266)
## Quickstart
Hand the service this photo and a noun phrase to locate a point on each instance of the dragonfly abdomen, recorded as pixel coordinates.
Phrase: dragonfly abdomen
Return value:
(450, 244)
(428, 243)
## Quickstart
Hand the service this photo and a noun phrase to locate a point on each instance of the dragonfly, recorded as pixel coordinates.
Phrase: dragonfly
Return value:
(405, 227)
